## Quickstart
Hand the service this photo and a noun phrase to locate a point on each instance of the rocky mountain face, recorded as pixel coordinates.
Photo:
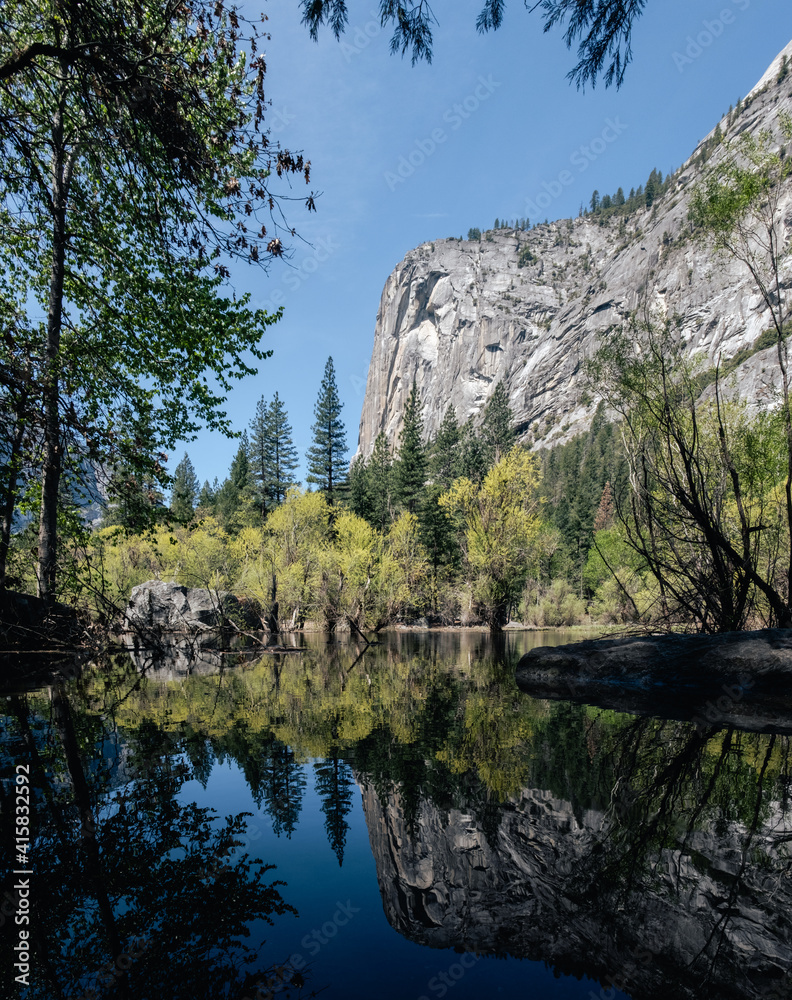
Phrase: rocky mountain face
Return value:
(460, 316)
(704, 922)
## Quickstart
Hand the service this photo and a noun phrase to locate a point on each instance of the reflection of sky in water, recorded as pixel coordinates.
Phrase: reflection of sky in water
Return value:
(366, 957)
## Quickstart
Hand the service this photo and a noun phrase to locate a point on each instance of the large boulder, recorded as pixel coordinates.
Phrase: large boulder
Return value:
(735, 678)
(172, 607)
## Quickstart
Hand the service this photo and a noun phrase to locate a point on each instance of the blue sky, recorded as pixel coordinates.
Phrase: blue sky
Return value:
(405, 154)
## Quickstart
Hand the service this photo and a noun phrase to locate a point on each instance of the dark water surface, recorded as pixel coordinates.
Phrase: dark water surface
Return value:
(434, 833)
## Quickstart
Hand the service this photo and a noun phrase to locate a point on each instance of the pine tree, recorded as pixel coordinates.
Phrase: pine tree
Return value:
(258, 456)
(273, 457)
(380, 483)
(472, 453)
(497, 426)
(445, 459)
(436, 531)
(371, 485)
(185, 490)
(359, 491)
(326, 455)
(409, 471)
(237, 488)
(283, 454)
(283, 789)
(207, 497)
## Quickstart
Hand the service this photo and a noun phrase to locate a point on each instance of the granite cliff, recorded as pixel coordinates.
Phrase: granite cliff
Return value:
(459, 316)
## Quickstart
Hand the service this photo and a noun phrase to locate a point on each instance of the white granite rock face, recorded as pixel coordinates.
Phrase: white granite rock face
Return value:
(158, 604)
(460, 316)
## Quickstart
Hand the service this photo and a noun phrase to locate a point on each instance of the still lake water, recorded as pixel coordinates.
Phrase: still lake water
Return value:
(434, 833)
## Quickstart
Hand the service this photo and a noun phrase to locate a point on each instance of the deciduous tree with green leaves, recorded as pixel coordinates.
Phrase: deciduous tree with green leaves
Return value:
(500, 523)
(134, 165)
(737, 210)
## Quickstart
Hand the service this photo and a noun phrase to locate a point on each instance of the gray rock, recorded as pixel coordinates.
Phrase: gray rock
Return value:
(461, 316)
(171, 607)
(735, 678)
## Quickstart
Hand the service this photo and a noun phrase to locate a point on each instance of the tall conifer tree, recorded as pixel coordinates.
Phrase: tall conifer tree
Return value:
(282, 453)
(497, 426)
(445, 461)
(207, 497)
(326, 456)
(185, 489)
(237, 487)
(409, 472)
(258, 456)
(334, 783)
(473, 459)
(273, 457)
(380, 483)
(284, 789)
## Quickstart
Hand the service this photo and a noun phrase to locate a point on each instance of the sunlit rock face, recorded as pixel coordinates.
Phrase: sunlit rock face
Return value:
(460, 316)
(535, 889)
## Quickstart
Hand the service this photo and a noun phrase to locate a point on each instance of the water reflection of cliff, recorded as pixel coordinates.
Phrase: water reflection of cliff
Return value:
(649, 853)
(662, 891)
(639, 850)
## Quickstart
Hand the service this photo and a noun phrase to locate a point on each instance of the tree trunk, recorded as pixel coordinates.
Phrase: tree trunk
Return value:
(52, 459)
(9, 500)
(64, 725)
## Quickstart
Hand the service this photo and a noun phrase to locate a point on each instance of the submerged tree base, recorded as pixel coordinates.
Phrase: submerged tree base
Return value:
(732, 678)
(28, 622)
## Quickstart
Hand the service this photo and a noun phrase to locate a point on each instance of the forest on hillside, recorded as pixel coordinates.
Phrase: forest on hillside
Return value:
(468, 528)
(674, 510)
(121, 214)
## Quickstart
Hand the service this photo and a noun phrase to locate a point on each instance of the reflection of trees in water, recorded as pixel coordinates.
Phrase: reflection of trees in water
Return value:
(334, 784)
(136, 894)
(687, 805)
(441, 722)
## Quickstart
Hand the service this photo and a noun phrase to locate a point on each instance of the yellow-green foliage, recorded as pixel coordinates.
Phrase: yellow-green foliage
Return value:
(500, 520)
(311, 566)
(198, 558)
(294, 554)
(403, 573)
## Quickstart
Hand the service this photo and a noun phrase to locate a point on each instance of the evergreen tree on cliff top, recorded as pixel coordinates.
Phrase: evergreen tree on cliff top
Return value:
(326, 456)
